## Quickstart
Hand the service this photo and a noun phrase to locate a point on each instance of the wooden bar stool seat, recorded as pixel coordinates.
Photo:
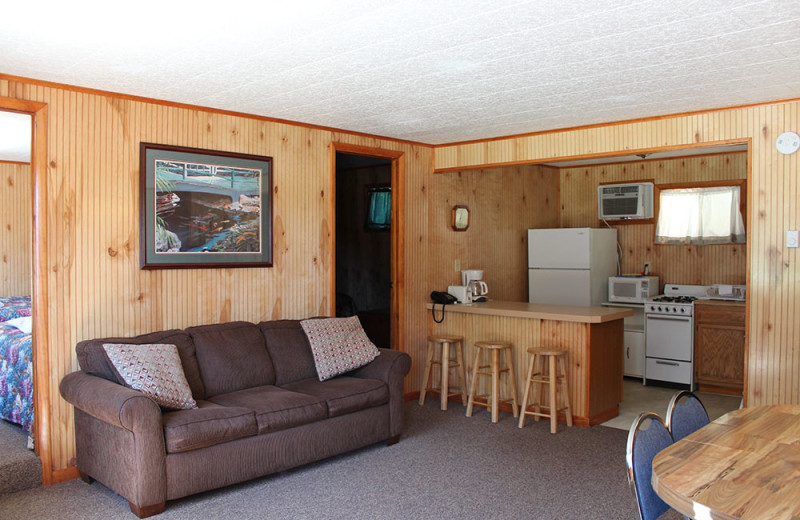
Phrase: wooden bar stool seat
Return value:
(552, 379)
(492, 399)
(445, 362)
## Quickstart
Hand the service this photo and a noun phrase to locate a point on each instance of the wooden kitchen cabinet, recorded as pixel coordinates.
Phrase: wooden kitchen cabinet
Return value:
(719, 346)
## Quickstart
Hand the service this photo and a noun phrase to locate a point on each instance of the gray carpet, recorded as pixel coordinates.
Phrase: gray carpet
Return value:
(445, 466)
(19, 467)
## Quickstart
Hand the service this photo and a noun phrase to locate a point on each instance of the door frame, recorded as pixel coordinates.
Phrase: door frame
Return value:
(39, 274)
(397, 229)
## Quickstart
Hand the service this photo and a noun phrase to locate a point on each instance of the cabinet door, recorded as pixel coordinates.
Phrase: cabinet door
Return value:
(720, 356)
(634, 353)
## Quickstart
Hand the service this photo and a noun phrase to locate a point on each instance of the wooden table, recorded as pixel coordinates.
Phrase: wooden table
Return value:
(745, 465)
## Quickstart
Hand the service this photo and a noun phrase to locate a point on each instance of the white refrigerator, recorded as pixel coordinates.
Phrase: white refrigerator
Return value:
(571, 266)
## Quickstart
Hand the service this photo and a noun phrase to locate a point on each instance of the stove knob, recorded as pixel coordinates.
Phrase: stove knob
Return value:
(659, 308)
(683, 310)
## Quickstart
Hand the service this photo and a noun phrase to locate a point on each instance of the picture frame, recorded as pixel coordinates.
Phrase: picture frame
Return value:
(204, 208)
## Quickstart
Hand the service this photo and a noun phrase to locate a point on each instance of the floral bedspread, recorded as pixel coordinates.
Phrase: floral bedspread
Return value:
(14, 307)
(16, 376)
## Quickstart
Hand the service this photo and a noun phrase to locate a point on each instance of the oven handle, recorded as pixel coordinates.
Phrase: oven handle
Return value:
(668, 318)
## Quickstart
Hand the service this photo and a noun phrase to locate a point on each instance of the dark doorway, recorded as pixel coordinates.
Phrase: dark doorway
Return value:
(364, 243)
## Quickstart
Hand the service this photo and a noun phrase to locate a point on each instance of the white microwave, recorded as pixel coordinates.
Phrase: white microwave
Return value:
(632, 289)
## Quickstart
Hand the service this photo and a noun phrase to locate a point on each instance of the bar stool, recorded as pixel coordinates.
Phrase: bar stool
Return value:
(492, 400)
(446, 363)
(551, 379)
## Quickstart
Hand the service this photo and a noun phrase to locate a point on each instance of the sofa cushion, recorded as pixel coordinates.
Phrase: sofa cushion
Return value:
(276, 408)
(231, 356)
(344, 394)
(289, 349)
(153, 369)
(94, 360)
(338, 345)
(206, 425)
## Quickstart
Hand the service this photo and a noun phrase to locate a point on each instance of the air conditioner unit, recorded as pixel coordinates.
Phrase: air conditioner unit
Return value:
(625, 201)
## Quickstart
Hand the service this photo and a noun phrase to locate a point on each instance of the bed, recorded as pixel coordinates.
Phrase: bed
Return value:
(16, 361)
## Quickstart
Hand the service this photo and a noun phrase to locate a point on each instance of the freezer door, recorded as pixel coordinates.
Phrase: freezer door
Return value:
(567, 248)
(560, 286)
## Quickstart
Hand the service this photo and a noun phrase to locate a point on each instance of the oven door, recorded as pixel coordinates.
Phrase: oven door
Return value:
(669, 337)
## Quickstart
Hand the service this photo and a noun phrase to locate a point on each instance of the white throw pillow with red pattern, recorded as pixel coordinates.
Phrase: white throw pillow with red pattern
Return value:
(339, 345)
(154, 370)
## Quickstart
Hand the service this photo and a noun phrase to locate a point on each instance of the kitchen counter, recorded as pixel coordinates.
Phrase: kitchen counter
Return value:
(734, 303)
(540, 311)
(593, 337)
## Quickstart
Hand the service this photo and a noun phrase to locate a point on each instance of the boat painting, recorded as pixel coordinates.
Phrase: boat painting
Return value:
(207, 208)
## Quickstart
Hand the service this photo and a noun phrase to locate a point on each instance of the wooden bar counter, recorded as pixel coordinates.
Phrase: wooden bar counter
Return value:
(592, 335)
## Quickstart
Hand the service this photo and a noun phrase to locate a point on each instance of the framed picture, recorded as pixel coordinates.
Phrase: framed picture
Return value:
(204, 208)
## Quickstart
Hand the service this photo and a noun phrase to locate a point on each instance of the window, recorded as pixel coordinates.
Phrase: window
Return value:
(700, 216)
(379, 208)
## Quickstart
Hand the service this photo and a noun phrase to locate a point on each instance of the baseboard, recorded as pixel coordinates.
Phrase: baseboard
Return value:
(63, 475)
(411, 396)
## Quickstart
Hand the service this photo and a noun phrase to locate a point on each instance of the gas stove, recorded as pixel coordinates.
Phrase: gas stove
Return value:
(669, 333)
(676, 300)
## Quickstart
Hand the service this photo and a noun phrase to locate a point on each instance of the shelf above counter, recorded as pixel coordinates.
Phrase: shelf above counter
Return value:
(540, 311)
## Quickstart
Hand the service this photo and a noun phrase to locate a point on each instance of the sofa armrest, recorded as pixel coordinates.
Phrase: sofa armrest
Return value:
(108, 401)
(390, 367)
(119, 438)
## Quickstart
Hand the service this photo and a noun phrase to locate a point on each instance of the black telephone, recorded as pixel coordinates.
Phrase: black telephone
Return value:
(443, 298)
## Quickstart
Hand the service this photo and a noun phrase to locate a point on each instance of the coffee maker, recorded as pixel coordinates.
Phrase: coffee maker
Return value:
(472, 279)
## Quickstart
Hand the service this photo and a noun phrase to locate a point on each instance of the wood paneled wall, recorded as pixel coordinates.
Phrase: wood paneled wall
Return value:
(672, 264)
(773, 272)
(503, 204)
(95, 285)
(15, 229)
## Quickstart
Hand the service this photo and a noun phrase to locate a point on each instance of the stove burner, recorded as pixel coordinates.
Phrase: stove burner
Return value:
(674, 299)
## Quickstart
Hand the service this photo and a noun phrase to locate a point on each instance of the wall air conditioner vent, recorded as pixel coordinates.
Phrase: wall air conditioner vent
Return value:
(625, 201)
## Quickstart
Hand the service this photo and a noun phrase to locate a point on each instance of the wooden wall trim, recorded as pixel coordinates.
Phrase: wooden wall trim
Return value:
(13, 162)
(581, 157)
(618, 123)
(188, 106)
(39, 296)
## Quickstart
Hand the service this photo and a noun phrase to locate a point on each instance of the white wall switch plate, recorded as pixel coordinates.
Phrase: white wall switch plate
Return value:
(458, 264)
(792, 238)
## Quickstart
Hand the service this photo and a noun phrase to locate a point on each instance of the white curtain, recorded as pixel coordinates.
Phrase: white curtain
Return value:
(700, 216)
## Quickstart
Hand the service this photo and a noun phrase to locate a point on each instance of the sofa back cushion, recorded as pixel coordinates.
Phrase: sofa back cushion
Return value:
(231, 356)
(289, 349)
(93, 359)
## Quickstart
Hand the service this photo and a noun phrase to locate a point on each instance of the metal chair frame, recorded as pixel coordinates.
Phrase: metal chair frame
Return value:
(631, 461)
(673, 405)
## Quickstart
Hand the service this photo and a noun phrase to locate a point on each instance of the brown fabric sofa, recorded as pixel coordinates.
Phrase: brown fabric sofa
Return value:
(261, 409)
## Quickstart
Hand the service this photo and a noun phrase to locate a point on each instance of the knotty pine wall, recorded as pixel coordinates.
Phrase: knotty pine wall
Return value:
(773, 274)
(704, 265)
(504, 203)
(95, 285)
(15, 229)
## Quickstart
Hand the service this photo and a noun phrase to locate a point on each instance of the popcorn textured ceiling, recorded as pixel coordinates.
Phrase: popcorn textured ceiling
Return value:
(433, 71)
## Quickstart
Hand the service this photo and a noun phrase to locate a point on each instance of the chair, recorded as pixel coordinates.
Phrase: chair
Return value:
(687, 417)
(445, 362)
(492, 400)
(542, 371)
(643, 445)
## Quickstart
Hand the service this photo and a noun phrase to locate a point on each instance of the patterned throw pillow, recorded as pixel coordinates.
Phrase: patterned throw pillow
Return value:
(154, 370)
(339, 345)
